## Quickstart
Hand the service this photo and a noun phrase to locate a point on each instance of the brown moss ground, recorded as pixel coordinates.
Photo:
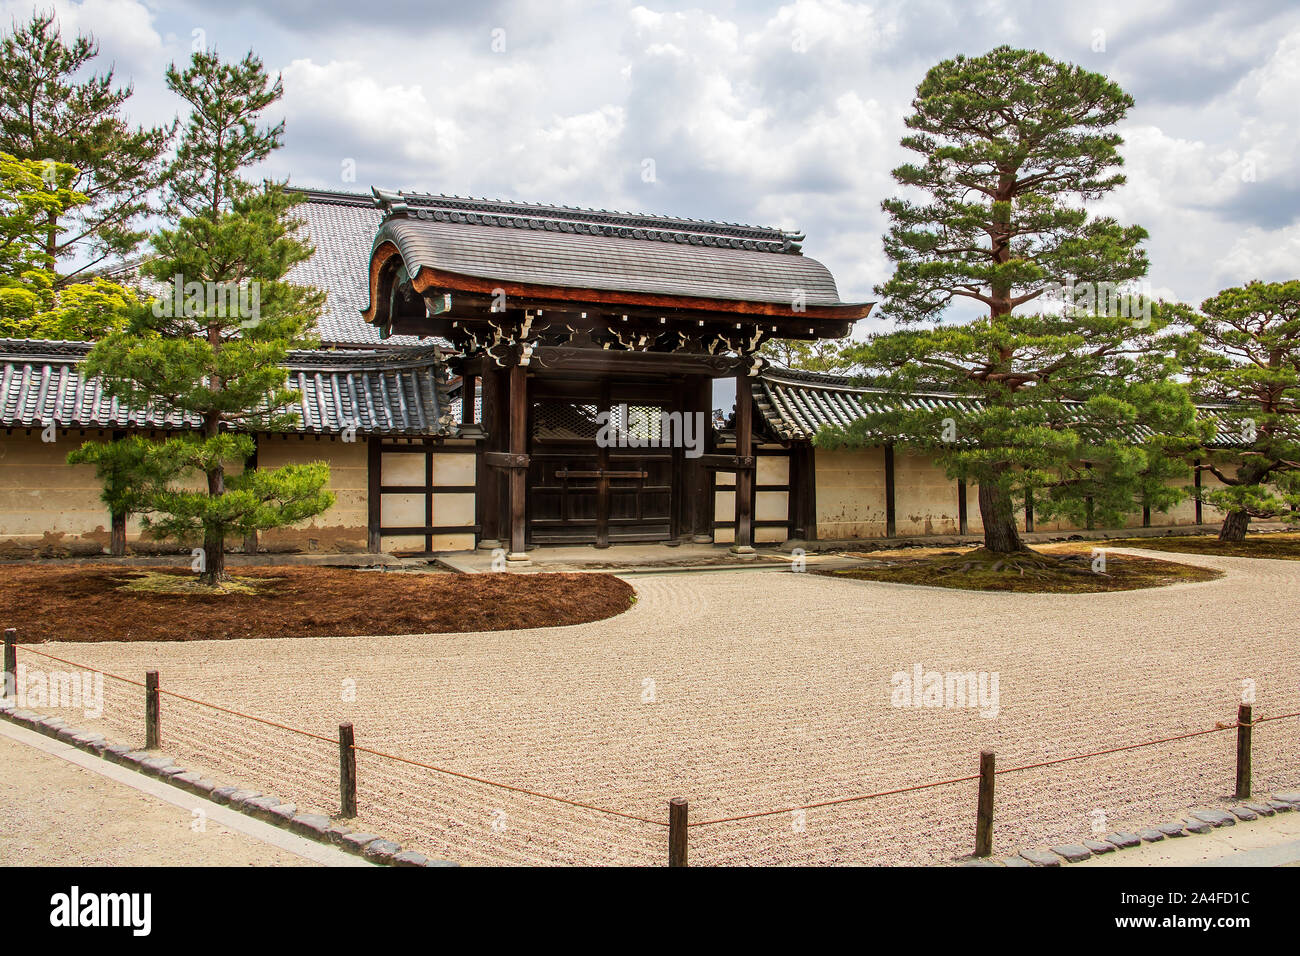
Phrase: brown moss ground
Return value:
(1068, 571)
(98, 603)
(1280, 544)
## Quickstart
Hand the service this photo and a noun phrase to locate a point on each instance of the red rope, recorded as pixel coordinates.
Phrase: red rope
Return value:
(514, 789)
(661, 823)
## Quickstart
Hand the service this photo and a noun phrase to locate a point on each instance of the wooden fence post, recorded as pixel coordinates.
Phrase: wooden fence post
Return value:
(152, 712)
(1243, 751)
(677, 831)
(347, 772)
(11, 662)
(984, 814)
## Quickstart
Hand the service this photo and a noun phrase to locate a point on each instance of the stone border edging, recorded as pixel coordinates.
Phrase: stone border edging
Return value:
(1196, 822)
(313, 826)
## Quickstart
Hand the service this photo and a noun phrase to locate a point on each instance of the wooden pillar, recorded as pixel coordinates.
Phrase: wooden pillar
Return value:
(374, 466)
(11, 662)
(518, 446)
(250, 464)
(678, 830)
(984, 808)
(602, 482)
(1244, 726)
(347, 771)
(487, 500)
(963, 521)
(1196, 477)
(428, 499)
(468, 387)
(694, 505)
(744, 539)
(152, 712)
(891, 525)
(803, 492)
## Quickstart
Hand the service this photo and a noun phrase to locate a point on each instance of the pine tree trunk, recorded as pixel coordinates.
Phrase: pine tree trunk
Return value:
(1001, 535)
(117, 539)
(214, 535)
(214, 557)
(1234, 526)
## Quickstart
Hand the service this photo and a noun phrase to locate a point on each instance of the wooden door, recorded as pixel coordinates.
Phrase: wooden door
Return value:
(582, 493)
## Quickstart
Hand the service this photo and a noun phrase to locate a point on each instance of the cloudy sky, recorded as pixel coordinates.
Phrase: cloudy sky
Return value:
(782, 114)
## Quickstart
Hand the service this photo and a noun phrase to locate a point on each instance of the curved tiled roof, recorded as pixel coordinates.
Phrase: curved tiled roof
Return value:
(564, 247)
(384, 392)
(607, 262)
(340, 226)
(796, 404)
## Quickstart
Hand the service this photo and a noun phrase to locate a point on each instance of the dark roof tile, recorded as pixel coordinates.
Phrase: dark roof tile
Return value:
(796, 405)
(379, 392)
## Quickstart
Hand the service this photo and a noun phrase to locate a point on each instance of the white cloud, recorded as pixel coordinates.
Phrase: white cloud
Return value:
(778, 113)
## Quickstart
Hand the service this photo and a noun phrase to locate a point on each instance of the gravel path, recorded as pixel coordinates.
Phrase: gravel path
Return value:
(58, 814)
(746, 691)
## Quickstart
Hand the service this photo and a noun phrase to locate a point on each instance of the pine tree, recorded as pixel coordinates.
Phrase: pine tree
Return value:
(820, 355)
(1075, 404)
(215, 349)
(1249, 360)
(49, 113)
(30, 305)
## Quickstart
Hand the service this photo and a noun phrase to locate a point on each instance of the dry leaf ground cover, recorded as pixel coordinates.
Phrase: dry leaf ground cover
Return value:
(1055, 570)
(107, 603)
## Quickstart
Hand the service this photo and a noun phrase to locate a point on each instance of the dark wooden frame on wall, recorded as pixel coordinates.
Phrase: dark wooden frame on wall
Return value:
(490, 506)
(374, 466)
(377, 489)
(755, 488)
(803, 492)
(891, 523)
(250, 464)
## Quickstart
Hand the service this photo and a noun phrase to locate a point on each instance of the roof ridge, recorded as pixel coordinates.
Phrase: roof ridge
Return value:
(56, 350)
(523, 215)
(337, 197)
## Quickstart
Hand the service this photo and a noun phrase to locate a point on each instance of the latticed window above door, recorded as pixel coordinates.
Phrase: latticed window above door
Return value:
(644, 422)
(556, 420)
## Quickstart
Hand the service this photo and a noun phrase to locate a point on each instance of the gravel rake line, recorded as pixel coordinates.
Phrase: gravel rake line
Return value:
(402, 809)
(511, 787)
(1217, 728)
(457, 822)
(298, 768)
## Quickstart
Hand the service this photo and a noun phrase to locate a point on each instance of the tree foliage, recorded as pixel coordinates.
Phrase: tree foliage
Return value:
(51, 111)
(1012, 146)
(1080, 413)
(819, 355)
(1249, 361)
(214, 349)
(31, 305)
(1073, 403)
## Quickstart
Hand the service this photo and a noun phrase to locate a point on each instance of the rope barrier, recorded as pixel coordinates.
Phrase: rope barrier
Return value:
(334, 741)
(510, 787)
(260, 720)
(31, 650)
(1217, 728)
